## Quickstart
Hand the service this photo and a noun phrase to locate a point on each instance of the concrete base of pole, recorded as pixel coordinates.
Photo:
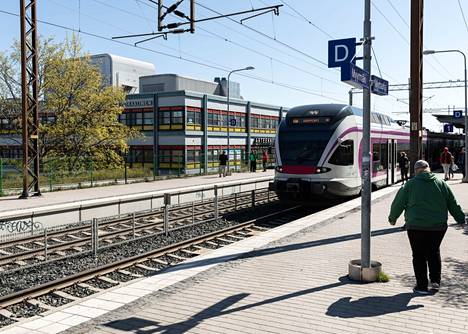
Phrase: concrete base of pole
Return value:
(465, 180)
(366, 275)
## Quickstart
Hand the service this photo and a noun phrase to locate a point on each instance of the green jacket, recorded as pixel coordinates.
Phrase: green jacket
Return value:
(426, 200)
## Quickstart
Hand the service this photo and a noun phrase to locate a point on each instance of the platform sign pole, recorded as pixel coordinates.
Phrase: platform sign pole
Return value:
(366, 155)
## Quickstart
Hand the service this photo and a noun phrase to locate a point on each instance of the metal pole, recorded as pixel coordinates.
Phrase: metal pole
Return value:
(45, 244)
(95, 237)
(253, 198)
(216, 213)
(366, 155)
(133, 225)
(167, 202)
(465, 179)
(416, 69)
(228, 123)
(1, 176)
(350, 97)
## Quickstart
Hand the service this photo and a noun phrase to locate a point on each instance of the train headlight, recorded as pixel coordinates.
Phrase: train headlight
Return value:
(279, 169)
(321, 170)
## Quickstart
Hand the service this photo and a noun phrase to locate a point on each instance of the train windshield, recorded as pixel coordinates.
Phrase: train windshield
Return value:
(302, 147)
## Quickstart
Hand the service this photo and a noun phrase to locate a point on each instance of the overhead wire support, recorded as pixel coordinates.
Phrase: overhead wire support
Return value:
(29, 98)
(174, 28)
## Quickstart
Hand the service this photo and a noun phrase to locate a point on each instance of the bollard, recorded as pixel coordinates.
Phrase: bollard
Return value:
(95, 236)
(253, 198)
(32, 224)
(193, 212)
(133, 225)
(45, 244)
(216, 214)
(167, 203)
(235, 201)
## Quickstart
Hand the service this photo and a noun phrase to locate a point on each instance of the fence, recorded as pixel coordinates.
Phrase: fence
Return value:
(35, 219)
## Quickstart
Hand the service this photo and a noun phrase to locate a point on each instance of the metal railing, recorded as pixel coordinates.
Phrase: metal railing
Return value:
(34, 220)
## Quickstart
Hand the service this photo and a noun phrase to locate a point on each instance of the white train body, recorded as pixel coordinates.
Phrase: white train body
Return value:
(318, 151)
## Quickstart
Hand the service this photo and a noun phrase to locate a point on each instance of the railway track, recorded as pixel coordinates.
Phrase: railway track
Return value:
(55, 293)
(77, 239)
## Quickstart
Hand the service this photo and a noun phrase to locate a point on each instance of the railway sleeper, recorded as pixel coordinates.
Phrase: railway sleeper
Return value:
(107, 279)
(232, 236)
(38, 303)
(21, 247)
(225, 240)
(157, 260)
(142, 266)
(128, 273)
(63, 294)
(189, 252)
(3, 252)
(176, 257)
(90, 287)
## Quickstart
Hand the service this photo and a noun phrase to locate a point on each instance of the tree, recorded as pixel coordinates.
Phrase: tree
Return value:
(82, 114)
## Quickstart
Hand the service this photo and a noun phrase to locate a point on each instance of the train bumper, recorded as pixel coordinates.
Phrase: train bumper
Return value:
(309, 189)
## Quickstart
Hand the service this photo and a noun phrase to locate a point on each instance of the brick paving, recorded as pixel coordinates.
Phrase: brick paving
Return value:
(298, 285)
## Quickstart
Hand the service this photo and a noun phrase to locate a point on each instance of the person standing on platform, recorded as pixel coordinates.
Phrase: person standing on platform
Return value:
(403, 163)
(461, 161)
(253, 162)
(426, 201)
(223, 158)
(446, 159)
(265, 160)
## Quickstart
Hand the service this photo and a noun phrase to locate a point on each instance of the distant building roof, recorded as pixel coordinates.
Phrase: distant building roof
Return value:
(457, 122)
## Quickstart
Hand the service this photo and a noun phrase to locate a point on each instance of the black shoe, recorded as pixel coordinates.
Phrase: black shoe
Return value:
(435, 286)
(420, 291)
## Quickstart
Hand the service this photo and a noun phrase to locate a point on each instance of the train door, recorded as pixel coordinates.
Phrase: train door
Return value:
(394, 161)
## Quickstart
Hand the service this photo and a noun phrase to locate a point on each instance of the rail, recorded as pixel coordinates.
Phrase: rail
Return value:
(34, 220)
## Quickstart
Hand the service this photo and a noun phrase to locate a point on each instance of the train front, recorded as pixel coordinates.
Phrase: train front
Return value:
(315, 153)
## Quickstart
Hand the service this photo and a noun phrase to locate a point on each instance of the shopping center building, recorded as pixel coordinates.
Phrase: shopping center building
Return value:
(194, 126)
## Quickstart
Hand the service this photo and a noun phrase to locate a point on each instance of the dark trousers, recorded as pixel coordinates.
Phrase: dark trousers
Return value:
(425, 247)
(404, 174)
(253, 166)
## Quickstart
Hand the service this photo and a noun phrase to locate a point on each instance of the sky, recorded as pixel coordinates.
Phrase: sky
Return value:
(288, 51)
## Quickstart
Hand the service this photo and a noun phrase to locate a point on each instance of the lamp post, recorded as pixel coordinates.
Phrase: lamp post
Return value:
(248, 68)
(430, 52)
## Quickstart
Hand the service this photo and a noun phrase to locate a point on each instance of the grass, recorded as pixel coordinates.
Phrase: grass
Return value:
(383, 277)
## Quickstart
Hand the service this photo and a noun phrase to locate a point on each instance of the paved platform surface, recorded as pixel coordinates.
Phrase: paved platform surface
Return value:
(66, 196)
(293, 284)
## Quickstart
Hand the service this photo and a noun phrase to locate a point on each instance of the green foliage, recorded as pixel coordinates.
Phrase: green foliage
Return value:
(85, 114)
(383, 277)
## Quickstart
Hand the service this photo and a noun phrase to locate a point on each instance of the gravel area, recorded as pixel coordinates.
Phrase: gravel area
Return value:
(4, 321)
(139, 271)
(25, 310)
(155, 265)
(78, 291)
(100, 284)
(119, 277)
(26, 277)
(54, 300)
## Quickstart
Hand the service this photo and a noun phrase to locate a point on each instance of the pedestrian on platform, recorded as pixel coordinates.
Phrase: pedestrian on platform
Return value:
(426, 200)
(446, 160)
(461, 161)
(223, 159)
(253, 161)
(403, 163)
(265, 160)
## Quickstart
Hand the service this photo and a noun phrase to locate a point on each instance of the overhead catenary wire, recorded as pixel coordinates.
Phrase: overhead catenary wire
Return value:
(403, 36)
(224, 69)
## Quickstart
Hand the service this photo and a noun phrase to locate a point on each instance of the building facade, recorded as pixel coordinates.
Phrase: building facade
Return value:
(184, 131)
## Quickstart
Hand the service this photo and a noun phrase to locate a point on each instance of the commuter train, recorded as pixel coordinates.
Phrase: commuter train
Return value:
(318, 149)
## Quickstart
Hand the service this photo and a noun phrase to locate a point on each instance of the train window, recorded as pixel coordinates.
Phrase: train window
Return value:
(344, 154)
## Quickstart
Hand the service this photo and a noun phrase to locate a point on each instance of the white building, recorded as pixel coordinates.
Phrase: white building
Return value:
(122, 72)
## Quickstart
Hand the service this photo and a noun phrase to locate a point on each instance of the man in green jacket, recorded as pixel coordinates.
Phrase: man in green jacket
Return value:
(426, 200)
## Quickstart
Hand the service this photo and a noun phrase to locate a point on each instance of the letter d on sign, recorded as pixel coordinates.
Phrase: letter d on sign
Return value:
(345, 53)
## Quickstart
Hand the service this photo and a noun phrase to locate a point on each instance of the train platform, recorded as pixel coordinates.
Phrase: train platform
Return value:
(10, 203)
(291, 279)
